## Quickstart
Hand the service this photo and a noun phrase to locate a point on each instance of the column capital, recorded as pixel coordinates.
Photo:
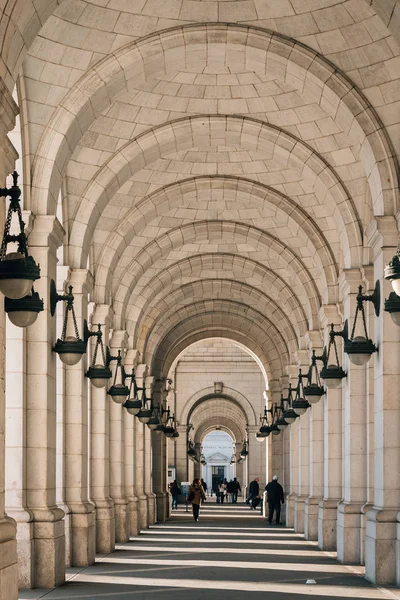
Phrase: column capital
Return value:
(141, 371)
(81, 280)
(8, 109)
(313, 340)
(47, 232)
(132, 358)
(382, 232)
(302, 358)
(349, 280)
(103, 314)
(119, 339)
(275, 386)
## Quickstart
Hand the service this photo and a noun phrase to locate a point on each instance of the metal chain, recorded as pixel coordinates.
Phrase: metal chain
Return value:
(6, 233)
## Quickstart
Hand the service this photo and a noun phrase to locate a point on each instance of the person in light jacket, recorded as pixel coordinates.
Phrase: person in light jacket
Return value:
(196, 496)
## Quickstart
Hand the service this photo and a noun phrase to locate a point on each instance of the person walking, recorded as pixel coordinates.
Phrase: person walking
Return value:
(275, 497)
(235, 490)
(254, 492)
(221, 491)
(203, 483)
(196, 496)
(175, 491)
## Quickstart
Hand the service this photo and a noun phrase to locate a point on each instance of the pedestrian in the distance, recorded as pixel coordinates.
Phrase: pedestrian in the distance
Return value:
(275, 497)
(203, 483)
(195, 496)
(175, 491)
(254, 493)
(222, 491)
(235, 490)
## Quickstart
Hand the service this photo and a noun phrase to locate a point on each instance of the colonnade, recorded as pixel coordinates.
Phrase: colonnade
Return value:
(342, 478)
(79, 467)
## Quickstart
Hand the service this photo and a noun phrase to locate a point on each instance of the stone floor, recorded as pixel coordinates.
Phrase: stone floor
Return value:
(230, 553)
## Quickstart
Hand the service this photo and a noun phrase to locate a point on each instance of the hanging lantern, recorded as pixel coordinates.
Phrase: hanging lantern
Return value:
(18, 270)
(145, 413)
(244, 451)
(392, 271)
(360, 348)
(70, 348)
(300, 404)
(313, 391)
(133, 405)
(99, 374)
(332, 374)
(287, 412)
(118, 391)
(392, 306)
(23, 312)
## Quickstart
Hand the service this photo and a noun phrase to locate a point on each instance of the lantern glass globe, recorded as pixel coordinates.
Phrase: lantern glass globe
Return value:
(22, 318)
(396, 285)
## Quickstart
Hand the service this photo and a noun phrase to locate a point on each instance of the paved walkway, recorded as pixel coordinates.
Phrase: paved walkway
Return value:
(229, 554)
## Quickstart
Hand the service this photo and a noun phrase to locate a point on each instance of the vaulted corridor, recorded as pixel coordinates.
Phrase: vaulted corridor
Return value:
(230, 553)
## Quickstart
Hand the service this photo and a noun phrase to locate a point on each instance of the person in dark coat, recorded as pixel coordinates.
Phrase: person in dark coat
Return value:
(254, 491)
(175, 491)
(275, 499)
(196, 496)
(235, 490)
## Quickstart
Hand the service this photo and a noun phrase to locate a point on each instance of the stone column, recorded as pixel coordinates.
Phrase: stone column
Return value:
(159, 454)
(276, 440)
(148, 462)
(8, 544)
(293, 457)
(48, 525)
(332, 406)
(303, 457)
(117, 467)
(82, 517)
(141, 372)
(181, 458)
(316, 453)
(131, 360)
(100, 450)
(256, 456)
(382, 529)
(349, 532)
(197, 466)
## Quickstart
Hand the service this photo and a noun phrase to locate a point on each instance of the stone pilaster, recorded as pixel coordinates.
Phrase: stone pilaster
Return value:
(141, 372)
(276, 440)
(293, 458)
(332, 405)
(316, 453)
(303, 457)
(131, 360)
(382, 544)
(148, 462)
(159, 455)
(349, 526)
(117, 468)
(81, 511)
(8, 544)
(48, 525)
(100, 450)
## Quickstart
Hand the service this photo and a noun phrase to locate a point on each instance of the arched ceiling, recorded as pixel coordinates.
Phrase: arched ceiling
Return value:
(217, 162)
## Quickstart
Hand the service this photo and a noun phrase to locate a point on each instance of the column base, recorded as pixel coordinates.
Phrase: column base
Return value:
(83, 534)
(133, 515)
(162, 505)
(105, 526)
(327, 524)
(364, 509)
(49, 548)
(380, 546)
(23, 519)
(151, 510)
(8, 560)
(349, 532)
(121, 520)
(311, 507)
(290, 504)
(143, 512)
(299, 506)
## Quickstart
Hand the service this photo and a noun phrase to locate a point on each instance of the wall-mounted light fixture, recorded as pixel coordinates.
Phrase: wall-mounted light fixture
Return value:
(299, 403)
(23, 312)
(119, 390)
(287, 412)
(314, 391)
(332, 373)
(70, 348)
(99, 373)
(360, 348)
(18, 270)
(392, 271)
